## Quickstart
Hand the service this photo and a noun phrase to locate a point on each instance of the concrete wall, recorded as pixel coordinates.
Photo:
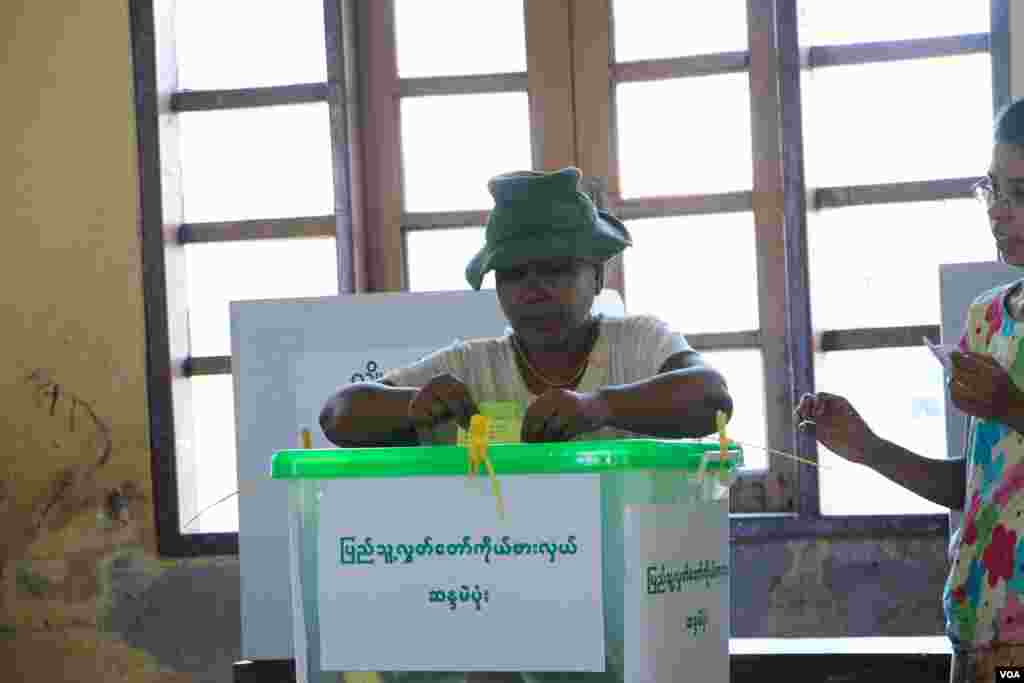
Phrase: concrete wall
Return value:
(82, 596)
(835, 588)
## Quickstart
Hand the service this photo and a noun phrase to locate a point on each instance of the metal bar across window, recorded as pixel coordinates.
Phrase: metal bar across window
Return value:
(893, 193)
(211, 100)
(897, 50)
(725, 341)
(439, 220)
(818, 56)
(877, 338)
(462, 85)
(627, 209)
(680, 67)
(646, 70)
(197, 366)
(683, 205)
(258, 229)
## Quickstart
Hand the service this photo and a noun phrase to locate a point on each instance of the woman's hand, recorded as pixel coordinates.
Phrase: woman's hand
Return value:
(837, 425)
(443, 398)
(980, 387)
(560, 414)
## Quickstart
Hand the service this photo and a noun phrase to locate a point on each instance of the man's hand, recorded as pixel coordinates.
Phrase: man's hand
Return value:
(441, 399)
(560, 414)
(980, 387)
(836, 425)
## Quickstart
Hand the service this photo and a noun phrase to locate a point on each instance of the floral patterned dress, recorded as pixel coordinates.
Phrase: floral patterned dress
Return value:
(984, 594)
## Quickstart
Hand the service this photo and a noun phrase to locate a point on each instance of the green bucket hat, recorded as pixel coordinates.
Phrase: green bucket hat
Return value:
(540, 216)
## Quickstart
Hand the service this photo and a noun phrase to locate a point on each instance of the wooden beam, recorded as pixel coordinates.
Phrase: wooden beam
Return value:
(592, 91)
(164, 273)
(769, 228)
(799, 335)
(591, 26)
(173, 458)
(549, 83)
(351, 53)
(1000, 48)
(1015, 31)
(380, 131)
(339, 103)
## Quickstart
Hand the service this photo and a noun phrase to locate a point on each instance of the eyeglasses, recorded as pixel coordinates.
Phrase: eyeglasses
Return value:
(988, 191)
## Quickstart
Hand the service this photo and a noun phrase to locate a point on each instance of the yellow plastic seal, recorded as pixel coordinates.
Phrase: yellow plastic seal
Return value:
(479, 433)
(721, 420)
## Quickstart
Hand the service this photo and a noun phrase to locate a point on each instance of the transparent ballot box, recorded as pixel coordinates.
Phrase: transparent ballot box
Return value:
(609, 559)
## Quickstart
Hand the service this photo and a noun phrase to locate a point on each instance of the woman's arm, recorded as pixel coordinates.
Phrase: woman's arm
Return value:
(841, 429)
(384, 414)
(369, 414)
(680, 401)
(942, 481)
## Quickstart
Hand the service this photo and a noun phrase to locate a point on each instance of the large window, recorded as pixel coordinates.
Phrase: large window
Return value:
(890, 205)
(240, 153)
(251, 161)
(793, 172)
(683, 163)
(463, 120)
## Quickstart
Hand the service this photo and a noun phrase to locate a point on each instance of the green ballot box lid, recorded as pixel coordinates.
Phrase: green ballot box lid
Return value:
(572, 457)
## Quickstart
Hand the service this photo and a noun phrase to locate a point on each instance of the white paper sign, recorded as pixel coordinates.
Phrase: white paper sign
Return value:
(677, 592)
(458, 601)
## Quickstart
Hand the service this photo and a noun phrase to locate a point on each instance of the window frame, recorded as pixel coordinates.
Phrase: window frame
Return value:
(563, 75)
(164, 234)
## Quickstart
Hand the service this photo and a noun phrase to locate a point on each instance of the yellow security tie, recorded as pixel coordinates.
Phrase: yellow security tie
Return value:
(479, 431)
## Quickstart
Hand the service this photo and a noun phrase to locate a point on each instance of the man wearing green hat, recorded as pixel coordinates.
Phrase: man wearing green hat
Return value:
(575, 375)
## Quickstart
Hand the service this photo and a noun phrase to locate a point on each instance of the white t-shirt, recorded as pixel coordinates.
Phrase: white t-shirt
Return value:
(628, 349)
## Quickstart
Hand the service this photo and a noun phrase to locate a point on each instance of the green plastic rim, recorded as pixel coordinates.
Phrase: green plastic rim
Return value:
(575, 457)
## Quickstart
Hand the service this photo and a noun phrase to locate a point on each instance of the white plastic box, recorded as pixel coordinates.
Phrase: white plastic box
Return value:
(399, 563)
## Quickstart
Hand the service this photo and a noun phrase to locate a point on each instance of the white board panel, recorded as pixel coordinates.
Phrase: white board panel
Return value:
(279, 346)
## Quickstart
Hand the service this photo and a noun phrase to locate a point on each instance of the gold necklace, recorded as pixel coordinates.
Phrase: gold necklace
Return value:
(577, 374)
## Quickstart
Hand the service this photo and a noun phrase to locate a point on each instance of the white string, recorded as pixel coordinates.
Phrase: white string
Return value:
(207, 508)
(745, 444)
(783, 454)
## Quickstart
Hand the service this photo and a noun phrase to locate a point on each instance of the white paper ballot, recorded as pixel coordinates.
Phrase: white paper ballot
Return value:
(942, 353)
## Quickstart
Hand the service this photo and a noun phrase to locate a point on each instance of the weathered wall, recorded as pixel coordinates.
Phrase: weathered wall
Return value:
(82, 597)
(834, 588)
